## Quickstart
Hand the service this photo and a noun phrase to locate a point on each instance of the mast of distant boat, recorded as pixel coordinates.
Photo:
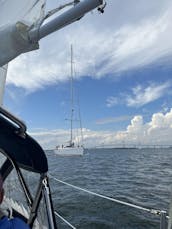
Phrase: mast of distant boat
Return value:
(80, 122)
(72, 105)
(72, 102)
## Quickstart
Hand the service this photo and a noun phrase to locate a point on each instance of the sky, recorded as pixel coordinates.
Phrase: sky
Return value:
(122, 80)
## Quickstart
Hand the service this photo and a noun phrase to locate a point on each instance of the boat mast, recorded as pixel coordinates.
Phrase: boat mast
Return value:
(80, 122)
(71, 91)
(3, 73)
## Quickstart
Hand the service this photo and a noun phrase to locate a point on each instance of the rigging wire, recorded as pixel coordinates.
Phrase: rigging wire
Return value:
(64, 220)
(152, 211)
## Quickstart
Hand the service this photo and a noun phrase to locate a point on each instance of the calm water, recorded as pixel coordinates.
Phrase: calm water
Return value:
(139, 176)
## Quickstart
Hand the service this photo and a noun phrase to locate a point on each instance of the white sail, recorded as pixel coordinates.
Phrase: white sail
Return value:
(3, 73)
(16, 18)
(21, 25)
(12, 11)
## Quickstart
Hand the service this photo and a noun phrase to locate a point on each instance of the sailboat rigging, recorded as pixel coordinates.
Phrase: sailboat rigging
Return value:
(71, 148)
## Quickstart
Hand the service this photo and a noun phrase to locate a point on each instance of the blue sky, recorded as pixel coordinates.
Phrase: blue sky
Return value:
(123, 77)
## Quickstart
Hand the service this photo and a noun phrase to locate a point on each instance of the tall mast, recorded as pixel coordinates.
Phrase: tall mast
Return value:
(80, 122)
(71, 91)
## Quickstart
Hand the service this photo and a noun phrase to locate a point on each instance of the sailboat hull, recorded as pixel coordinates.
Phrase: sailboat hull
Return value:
(69, 151)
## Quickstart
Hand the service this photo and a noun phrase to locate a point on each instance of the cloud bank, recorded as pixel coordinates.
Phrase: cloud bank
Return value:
(157, 131)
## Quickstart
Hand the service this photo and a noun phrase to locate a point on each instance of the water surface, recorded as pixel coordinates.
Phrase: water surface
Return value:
(139, 176)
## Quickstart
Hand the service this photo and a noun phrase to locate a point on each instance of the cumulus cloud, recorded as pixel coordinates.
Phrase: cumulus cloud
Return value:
(110, 44)
(157, 131)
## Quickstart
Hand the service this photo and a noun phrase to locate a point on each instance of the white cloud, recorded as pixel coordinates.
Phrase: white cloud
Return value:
(136, 124)
(157, 131)
(50, 139)
(103, 44)
(142, 96)
(113, 119)
(111, 101)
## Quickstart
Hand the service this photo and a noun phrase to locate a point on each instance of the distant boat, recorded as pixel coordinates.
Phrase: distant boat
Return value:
(72, 148)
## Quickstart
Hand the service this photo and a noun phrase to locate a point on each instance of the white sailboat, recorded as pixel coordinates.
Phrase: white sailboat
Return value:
(73, 148)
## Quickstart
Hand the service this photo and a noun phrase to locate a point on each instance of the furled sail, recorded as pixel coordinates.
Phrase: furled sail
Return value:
(16, 18)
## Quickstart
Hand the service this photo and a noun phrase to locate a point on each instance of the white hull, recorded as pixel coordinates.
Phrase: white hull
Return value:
(69, 151)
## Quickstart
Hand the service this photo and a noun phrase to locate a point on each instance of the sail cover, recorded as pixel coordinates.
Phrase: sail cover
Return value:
(16, 18)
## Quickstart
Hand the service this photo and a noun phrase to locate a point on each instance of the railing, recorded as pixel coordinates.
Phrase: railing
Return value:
(161, 213)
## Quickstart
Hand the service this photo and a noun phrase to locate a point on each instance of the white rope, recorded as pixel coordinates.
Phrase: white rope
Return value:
(70, 225)
(153, 211)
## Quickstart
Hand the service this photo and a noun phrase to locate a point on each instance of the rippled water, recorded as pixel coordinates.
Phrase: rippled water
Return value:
(139, 176)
